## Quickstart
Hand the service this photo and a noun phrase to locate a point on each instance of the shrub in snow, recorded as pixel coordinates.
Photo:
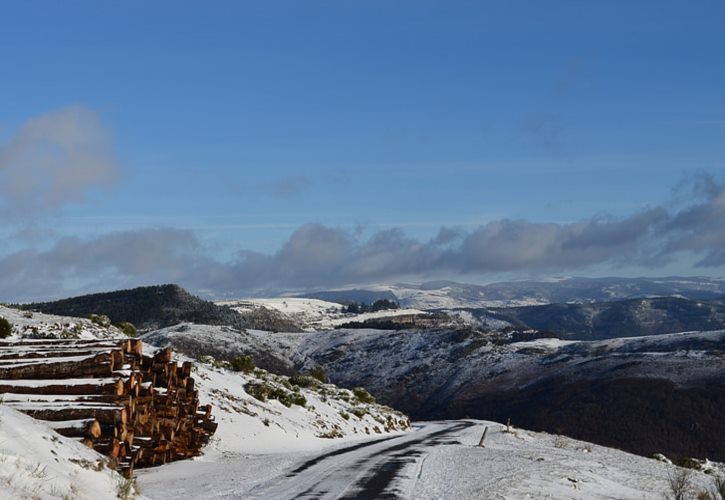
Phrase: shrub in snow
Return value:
(127, 328)
(258, 390)
(127, 489)
(319, 373)
(304, 381)
(359, 412)
(264, 391)
(242, 364)
(100, 320)
(363, 395)
(298, 399)
(6, 328)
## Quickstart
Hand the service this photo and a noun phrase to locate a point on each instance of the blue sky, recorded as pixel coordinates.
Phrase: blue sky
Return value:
(225, 134)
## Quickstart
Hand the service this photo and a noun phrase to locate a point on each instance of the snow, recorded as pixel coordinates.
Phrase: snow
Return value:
(314, 314)
(35, 462)
(512, 465)
(249, 425)
(452, 296)
(311, 314)
(34, 325)
(258, 444)
(526, 464)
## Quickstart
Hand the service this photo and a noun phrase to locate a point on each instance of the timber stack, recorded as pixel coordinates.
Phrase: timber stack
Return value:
(138, 410)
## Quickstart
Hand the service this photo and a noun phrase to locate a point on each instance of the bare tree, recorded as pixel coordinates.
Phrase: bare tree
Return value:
(680, 482)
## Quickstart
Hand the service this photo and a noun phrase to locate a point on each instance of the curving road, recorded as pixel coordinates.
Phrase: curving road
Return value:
(362, 471)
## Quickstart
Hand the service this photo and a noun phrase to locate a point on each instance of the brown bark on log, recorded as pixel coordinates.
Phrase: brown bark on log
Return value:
(98, 366)
(106, 415)
(55, 386)
(54, 400)
(8, 355)
(123, 411)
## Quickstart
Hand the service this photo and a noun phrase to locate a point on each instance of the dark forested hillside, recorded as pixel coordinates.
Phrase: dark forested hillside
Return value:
(146, 307)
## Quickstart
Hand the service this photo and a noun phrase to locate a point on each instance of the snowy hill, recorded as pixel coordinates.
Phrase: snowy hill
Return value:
(314, 314)
(257, 412)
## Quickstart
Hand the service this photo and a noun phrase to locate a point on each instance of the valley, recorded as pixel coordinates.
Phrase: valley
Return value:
(565, 381)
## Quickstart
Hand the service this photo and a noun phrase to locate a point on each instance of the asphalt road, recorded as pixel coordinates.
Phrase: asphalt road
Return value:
(363, 471)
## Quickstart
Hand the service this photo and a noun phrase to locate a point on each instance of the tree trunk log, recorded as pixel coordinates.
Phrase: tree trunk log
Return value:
(89, 428)
(104, 414)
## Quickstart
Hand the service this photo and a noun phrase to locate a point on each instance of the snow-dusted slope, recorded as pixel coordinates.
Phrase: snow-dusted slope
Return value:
(35, 462)
(595, 390)
(250, 425)
(257, 412)
(28, 324)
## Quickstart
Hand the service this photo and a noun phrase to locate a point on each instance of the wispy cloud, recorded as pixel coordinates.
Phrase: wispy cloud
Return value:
(53, 160)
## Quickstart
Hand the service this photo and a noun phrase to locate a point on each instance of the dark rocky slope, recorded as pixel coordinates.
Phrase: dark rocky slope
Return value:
(626, 318)
(661, 394)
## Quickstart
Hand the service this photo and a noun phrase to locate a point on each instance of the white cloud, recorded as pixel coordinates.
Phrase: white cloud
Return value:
(52, 160)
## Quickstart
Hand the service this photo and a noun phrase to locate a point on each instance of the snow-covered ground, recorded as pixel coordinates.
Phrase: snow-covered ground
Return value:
(37, 463)
(440, 460)
(28, 324)
(281, 414)
(248, 425)
(326, 442)
(314, 314)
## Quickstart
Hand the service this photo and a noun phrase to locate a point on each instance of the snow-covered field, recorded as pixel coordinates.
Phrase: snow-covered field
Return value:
(314, 314)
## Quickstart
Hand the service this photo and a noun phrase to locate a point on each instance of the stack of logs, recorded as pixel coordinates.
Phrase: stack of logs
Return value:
(138, 410)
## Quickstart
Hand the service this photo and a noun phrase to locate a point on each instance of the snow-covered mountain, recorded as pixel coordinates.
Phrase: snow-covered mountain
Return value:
(453, 295)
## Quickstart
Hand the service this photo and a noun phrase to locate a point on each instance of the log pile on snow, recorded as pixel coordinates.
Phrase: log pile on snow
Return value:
(139, 410)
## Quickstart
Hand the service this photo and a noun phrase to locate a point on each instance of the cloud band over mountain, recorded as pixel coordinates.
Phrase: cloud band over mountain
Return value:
(321, 256)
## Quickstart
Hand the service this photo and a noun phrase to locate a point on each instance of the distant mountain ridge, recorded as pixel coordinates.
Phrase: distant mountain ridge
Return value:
(624, 318)
(447, 294)
(444, 294)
